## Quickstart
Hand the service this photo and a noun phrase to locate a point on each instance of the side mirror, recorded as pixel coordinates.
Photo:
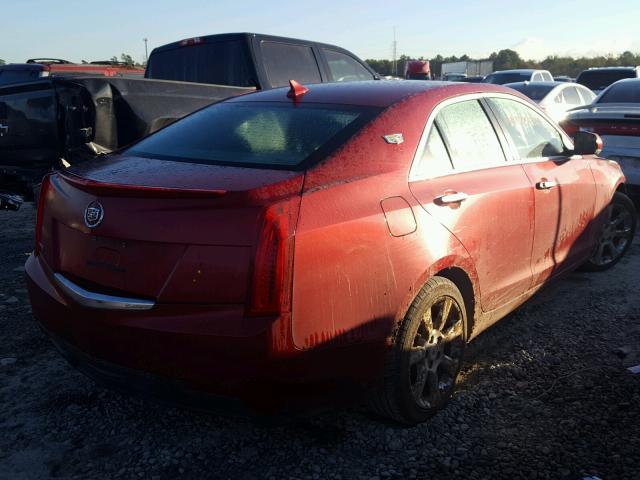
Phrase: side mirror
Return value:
(587, 143)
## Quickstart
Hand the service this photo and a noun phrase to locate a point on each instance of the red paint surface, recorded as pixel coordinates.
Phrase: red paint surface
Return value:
(276, 274)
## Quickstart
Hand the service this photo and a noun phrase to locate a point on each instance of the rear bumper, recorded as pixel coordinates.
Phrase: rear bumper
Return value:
(186, 348)
(211, 348)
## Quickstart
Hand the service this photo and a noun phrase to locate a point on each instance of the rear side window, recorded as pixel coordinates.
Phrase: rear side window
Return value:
(546, 77)
(587, 96)
(255, 134)
(530, 133)
(284, 62)
(219, 63)
(434, 161)
(469, 135)
(571, 96)
(623, 92)
(344, 68)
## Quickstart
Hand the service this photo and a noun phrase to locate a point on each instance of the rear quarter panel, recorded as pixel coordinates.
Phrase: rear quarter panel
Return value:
(608, 176)
(354, 275)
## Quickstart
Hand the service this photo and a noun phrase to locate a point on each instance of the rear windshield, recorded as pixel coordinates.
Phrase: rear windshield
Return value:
(18, 76)
(623, 92)
(220, 63)
(601, 79)
(510, 77)
(534, 92)
(257, 135)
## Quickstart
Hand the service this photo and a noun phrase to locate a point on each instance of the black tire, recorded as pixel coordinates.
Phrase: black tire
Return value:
(616, 236)
(404, 393)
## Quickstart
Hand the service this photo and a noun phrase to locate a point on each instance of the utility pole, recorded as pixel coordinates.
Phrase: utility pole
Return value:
(146, 54)
(395, 44)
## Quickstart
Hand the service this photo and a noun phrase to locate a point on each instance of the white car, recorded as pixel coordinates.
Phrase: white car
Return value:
(518, 75)
(555, 98)
(615, 116)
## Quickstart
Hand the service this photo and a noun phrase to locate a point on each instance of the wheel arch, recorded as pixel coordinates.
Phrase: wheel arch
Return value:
(459, 270)
(463, 282)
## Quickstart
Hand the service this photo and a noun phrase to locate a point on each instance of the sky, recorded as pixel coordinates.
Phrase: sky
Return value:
(91, 30)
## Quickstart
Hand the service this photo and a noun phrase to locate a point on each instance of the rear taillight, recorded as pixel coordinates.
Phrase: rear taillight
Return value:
(191, 41)
(271, 277)
(45, 187)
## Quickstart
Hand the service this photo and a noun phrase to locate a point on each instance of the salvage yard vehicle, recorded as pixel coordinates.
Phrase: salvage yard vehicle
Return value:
(599, 78)
(59, 121)
(359, 232)
(555, 98)
(518, 75)
(615, 116)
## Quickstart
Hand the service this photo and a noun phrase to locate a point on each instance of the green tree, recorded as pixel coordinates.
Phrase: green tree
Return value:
(2, 62)
(506, 59)
(127, 59)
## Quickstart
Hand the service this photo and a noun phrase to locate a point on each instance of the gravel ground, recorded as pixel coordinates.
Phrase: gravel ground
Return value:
(544, 394)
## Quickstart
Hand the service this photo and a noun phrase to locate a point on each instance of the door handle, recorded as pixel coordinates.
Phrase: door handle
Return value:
(546, 184)
(452, 198)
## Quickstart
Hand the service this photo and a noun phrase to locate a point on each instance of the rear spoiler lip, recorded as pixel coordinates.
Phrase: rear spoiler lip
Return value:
(128, 190)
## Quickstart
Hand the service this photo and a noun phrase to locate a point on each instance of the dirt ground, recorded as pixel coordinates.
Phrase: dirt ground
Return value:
(545, 394)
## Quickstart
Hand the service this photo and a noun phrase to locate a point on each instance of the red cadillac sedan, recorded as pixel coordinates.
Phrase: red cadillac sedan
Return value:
(360, 232)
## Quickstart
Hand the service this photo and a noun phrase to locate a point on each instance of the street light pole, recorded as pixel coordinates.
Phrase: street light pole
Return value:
(146, 55)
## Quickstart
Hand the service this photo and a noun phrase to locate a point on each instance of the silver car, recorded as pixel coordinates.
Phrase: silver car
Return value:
(555, 98)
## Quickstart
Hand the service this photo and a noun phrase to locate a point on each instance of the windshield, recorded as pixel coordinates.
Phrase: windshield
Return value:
(623, 92)
(268, 135)
(219, 63)
(507, 77)
(601, 79)
(534, 92)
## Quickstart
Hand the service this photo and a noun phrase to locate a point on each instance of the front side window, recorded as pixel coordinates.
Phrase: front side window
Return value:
(344, 68)
(469, 135)
(255, 134)
(285, 61)
(531, 134)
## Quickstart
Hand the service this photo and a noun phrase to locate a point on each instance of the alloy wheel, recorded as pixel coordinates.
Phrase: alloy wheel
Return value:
(615, 236)
(436, 354)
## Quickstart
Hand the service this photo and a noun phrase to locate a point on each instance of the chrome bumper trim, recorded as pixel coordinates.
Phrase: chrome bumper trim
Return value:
(98, 300)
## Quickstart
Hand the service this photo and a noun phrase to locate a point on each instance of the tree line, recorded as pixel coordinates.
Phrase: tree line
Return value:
(508, 59)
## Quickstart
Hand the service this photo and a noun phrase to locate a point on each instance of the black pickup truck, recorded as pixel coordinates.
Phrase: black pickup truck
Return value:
(54, 122)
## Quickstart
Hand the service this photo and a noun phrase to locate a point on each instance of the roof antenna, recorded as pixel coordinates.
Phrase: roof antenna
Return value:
(297, 90)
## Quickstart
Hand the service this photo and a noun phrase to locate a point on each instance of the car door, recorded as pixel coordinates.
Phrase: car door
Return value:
(564, 188)
(460, 176)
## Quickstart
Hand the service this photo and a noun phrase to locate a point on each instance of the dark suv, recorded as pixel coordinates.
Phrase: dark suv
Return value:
(597, 79)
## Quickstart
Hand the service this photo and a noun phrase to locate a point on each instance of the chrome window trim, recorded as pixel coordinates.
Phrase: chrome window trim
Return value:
(98, 300)
(511, 159)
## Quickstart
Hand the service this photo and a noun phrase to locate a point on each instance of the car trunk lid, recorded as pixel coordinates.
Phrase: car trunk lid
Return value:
(171, 232)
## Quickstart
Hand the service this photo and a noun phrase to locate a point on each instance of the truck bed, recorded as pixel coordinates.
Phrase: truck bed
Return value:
(58, 121)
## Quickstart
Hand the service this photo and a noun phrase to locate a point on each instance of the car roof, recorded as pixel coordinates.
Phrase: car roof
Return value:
(626, 80)
(243, 36)
(22, 66)
(541, 84)
(372, 93)
(520, 70)
(612, 68)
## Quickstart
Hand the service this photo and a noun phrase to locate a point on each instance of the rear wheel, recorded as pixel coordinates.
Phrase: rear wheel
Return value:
(616, 235)
(423, 364)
